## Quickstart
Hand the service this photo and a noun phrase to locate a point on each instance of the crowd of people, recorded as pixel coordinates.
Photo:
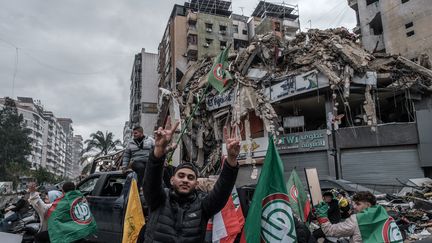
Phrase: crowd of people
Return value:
(179, 212)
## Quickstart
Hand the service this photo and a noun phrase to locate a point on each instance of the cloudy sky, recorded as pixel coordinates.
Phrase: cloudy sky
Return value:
(76, 55)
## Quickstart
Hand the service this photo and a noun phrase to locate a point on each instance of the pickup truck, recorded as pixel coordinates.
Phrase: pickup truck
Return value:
(107, 194)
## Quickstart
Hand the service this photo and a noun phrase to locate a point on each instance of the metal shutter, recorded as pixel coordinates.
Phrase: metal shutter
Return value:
(381, 165)
(301, 161)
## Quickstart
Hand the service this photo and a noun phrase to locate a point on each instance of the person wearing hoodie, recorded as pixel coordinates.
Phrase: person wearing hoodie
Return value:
(44, 209)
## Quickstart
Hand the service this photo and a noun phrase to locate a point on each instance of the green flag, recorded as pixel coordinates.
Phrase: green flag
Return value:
(71, 220)
(218, 76)
(376, 226)
(270, 217)
(299, 200)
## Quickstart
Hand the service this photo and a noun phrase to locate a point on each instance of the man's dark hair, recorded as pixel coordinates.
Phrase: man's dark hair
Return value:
(186, 165)
(68, 186)
(328, 194)
(138, 128)
(365, 196)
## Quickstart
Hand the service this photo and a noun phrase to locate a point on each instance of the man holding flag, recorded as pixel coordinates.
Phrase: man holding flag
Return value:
(69, 218)
(371, 224)
(270, 217)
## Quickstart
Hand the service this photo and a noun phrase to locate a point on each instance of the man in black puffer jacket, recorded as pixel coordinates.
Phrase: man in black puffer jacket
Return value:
(181, 214)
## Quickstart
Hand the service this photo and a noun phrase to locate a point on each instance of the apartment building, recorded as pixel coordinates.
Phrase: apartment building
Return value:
(51, 137)
(143, 92)
(395, 27)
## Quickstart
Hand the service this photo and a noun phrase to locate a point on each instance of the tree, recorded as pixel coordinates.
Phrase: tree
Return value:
(43, 175)
(15, 143)
(103, 143)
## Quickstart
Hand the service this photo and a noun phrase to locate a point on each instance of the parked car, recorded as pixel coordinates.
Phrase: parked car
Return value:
(106, 194)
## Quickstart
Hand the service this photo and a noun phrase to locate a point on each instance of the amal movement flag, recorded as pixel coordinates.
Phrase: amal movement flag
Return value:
(228, 223)
(134, 216)
(299, 200)
(218, 76)
(71, 220)
(376, 226)
(270, 217)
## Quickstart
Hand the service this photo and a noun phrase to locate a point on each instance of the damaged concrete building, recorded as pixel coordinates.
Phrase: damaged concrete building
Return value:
(328, 103)
(395, 27)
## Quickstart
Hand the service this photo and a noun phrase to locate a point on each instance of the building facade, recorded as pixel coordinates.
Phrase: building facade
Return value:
(51, 137)
(395, 27)
(143, 92)
(76, 155)
(66, 124)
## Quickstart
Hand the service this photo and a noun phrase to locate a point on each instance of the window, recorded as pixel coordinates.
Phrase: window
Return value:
(149, 107)
(222, 28)
(404, 1)
(369, 2)
(88, 186)
(223, 45)
(277, 26)
(114, 186)
(409, 25)
(235, 28)
(208, 41)
(411, 33)
(209, 27)
(244, 32)
(192, 39)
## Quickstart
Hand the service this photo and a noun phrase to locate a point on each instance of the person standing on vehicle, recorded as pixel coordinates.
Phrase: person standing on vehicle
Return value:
(370, 224)
(181, 214)
(334, 214)
(137, 153)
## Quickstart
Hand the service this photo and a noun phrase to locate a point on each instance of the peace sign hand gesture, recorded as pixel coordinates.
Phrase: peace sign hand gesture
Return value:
(162, 139)
(233, 147)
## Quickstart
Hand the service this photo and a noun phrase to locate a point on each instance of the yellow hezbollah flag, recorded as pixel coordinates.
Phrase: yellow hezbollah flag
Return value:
(134, 217)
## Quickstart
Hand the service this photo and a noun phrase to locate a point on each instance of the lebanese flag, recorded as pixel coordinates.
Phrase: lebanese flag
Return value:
(229, 221)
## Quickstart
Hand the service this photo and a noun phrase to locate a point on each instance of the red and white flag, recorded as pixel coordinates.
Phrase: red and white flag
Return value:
(229, 221)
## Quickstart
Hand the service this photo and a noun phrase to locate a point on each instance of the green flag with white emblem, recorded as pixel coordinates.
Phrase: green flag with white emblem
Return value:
(219, 77)
(270, 218)
(376, 226)
(71, 220)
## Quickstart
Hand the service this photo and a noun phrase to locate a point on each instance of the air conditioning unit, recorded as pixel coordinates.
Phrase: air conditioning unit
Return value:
(185, 55)
(223, 47)
(206, 45)
(222, 32)
(209, 30)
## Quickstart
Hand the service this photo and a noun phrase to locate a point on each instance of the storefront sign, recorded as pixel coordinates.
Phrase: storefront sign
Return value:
(220, 100)
(257, 148)
(294, 85)
(303, 142)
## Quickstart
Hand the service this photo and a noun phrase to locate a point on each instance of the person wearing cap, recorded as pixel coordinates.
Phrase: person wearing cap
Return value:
(180, 214)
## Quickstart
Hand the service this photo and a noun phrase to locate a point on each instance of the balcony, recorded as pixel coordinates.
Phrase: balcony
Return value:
(290, 25)
(191, 47)
(192, 17)
(191, 31)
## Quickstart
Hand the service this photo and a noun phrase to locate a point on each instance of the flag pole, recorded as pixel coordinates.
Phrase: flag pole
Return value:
(189, 119)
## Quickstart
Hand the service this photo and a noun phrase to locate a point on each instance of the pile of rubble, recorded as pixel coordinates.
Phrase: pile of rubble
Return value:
(334, 53)
(412, 209)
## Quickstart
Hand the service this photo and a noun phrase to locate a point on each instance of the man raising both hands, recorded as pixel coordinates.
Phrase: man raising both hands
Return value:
(180, 214)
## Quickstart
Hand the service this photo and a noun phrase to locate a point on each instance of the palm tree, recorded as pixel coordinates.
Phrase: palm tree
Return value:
(104, 143)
